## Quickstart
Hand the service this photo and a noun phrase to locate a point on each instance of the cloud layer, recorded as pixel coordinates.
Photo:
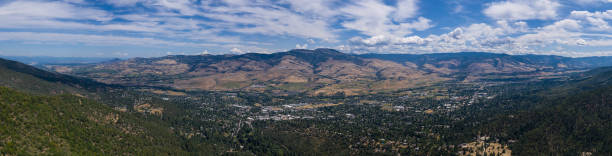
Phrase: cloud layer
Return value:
(360, 26)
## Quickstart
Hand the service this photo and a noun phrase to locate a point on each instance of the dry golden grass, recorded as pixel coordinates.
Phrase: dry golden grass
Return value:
(429, 111)
(166, 92)
(387, 107)
(166, 61)
(311, 106)
(147, 108)
(484, 148)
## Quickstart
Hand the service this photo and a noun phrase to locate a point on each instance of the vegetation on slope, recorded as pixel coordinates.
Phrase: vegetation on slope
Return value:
(70, 125)
(568, 119)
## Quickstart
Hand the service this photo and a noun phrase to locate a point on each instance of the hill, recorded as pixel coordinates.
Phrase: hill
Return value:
(568, 119)
(71, 125)
(323, 71)
(48, 60)
(318, 71)
(46, 113)
(33, 80)
(475, 63)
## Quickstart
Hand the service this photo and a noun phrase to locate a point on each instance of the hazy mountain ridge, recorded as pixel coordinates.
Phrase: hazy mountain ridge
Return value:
(324, 71)
(50, 60)
(465, 61)
(31, 79)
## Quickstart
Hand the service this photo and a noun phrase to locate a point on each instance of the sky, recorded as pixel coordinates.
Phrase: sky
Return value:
(152, 28)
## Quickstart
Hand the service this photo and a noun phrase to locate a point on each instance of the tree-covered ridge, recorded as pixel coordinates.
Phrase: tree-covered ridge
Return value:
(70, 125)
(571, 118)
(572, 125)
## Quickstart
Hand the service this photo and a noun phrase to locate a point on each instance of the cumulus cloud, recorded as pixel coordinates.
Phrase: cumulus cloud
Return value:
(205, 52)
(379, 19)
(406, 9)
(311, 41)
(504, 36)
(598, 21)
(221, 22)
(236, 51)
(387, 40)
(164, 20)
(241, 26)
(523, 9)
(298, 46)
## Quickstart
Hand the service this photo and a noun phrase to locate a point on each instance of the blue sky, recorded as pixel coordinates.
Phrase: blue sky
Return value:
(149, 28)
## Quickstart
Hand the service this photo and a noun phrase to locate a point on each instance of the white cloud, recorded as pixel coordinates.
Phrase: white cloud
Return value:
(386, 40)
(382, 26)
(33, 10)
(316, 8)
(298, 46)
(523, 9)
(184, 7)
(598, 21)
(236, 2)
(205, 52)
(564, 25)
(269, 19)
(581, 42)
(406, 9)
(372, 22)
(597, 14)
(236, 51)
(377, 20)
(123, 3)
(311, 41)
(420, 24)
(54, 38)
(503, 37)
(513, 27)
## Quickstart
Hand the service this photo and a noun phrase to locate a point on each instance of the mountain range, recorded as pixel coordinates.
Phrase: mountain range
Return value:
(45, 112)
(325, 71)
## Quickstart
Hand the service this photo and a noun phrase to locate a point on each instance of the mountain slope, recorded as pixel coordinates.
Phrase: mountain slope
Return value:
(323, 71)
(33, 80)
(484, 63)
(49, 60)
(315, 71)
(70, 125)
(571, 119)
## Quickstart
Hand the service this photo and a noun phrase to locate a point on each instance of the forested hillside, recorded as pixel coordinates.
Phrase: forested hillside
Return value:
(70, 125)
(571, 118)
